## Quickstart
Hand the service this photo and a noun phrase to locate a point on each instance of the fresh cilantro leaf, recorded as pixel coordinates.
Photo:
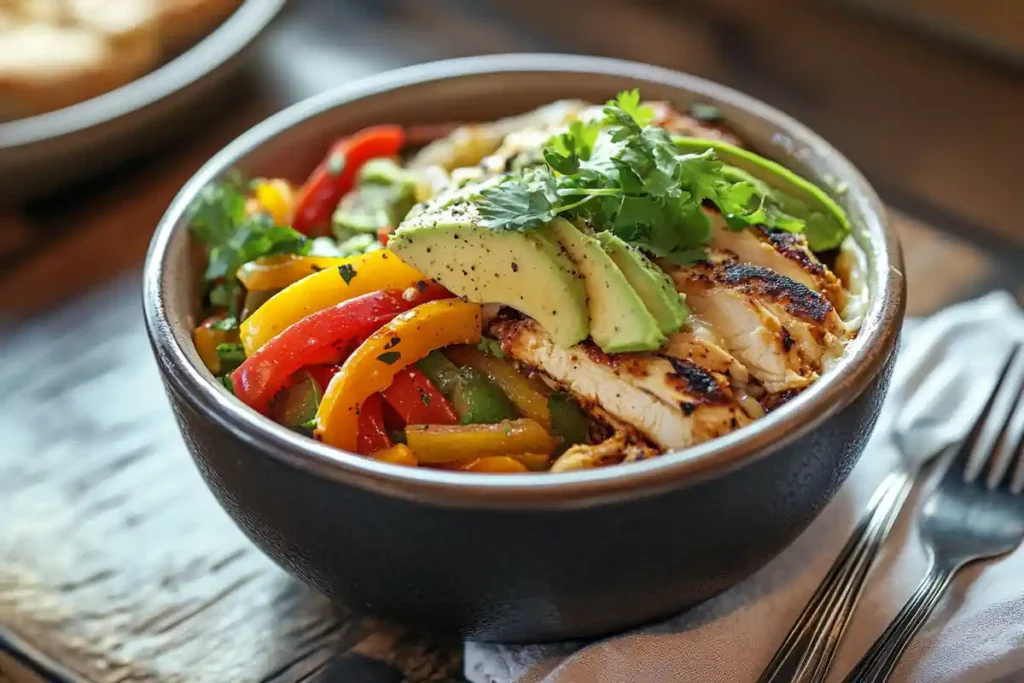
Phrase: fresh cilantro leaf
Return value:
(425, 398)
(629, 102)
(490, 346)
(309, 424)
(228, 384)
(218, 219)
(514, 204)
(227, 324)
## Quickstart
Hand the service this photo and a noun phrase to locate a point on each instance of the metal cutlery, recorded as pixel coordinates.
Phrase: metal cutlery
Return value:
(927, 424)
(967, 517)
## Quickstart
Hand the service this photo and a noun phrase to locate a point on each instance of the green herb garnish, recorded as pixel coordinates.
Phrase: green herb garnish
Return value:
(389, 357)
(228, 384)
(347, 272)
(624, 175)
(491, 346)
(218, 220)
(230, 355)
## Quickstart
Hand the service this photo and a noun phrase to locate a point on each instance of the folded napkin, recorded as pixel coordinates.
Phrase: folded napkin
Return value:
(976, 635)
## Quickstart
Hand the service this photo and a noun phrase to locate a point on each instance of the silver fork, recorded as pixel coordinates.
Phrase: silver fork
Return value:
(965, 518)
(923, 429)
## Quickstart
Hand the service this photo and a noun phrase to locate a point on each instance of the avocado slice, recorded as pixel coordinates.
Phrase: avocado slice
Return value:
(650, 282)
(619, 321)
(386, 171)
(826, 223)
(527, 271)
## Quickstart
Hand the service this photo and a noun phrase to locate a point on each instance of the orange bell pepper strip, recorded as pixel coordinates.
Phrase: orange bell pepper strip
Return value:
(373, 365)
(207, 336)
(435, 444)
(524, 393)
(495, 464)
(399, 454)
(361, 275)
(277, 272)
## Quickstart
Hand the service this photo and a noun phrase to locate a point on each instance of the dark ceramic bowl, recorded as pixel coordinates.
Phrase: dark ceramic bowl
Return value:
(531, 556)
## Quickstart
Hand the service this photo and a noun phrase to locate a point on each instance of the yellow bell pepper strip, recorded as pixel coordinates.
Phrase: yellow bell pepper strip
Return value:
(362, 275)
(435, 444)
(399, 454)
(524, 393)
(276, 198)
(208, 336)
(373, 365)
(277, 272)
(535, 462)
(495, 464)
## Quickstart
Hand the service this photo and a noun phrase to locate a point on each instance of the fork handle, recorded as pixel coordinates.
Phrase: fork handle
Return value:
(878, 663)
(810, 646)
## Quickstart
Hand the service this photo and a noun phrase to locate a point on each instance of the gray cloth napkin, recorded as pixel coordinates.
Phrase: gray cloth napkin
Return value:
(975, 636)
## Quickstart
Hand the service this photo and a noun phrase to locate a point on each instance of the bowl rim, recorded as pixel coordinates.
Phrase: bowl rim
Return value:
(210, 53)
(863, 360)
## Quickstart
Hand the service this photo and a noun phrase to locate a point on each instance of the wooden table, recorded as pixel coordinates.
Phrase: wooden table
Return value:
(117, 565)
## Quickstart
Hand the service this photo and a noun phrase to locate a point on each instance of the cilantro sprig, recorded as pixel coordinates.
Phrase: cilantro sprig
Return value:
(621, 173)
(218, 219)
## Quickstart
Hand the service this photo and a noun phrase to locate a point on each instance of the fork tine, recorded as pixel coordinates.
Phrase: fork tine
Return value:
(1017, 482)
(977, 446)
(1010, 436)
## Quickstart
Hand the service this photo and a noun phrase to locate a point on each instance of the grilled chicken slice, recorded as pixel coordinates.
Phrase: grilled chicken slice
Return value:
(779, 329)
(674, 403)
(784, 252)
(622, 446)
(698, 343)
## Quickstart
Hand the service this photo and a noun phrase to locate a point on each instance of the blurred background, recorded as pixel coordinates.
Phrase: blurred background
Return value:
(926, 96)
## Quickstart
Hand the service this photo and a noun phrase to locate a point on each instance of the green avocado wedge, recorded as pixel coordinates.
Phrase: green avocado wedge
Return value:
(826, 223)
(619, 320)
(649, 281)
(527, 271)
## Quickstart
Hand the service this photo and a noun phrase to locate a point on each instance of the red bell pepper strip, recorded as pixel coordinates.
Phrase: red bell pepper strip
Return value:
(322, 374)
(417, 401)
(372, 434)
(324, 337)
(336, 174)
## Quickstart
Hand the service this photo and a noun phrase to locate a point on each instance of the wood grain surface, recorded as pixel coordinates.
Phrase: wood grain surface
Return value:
(116, 564)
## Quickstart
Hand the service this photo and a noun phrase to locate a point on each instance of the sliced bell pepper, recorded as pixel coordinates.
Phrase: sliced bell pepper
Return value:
(417, 400)
(526, 394)
(495, 464)
(323, 374)
(324, 337)
(363, 274)
(373, 436)
(295, 405)
(277, 272)
(399, 454)
(207, 337)
(478, 401)
(336, 174)
(277, 199)
(535, 462)
(373, 366)
(440, 444)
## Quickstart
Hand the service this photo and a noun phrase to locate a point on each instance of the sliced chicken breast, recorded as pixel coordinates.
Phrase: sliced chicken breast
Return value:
(780, 329)
(750, 330)
(695, 342)
(673, 402)
(784, 252)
